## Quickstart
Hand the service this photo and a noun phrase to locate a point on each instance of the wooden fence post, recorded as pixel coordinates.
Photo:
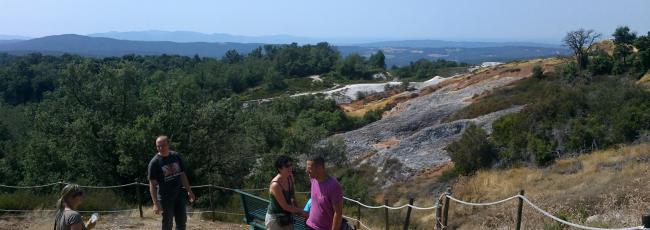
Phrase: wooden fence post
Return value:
(214, 217)
(386, 213)
(359, 214)
(646, 221)
(408, 215)
(520, 209)
(438, 215)
(137, 195)
(445, 214)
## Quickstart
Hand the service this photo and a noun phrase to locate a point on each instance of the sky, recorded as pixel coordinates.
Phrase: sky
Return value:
(459, 20)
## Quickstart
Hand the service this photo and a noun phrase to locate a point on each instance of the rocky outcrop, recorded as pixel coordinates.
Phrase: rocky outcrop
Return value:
(413, 136)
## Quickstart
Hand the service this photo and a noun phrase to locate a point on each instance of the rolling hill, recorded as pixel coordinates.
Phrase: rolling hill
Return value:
(106, 47)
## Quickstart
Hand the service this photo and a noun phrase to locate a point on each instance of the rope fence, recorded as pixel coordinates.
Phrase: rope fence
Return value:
(441, 219)
(538, 209)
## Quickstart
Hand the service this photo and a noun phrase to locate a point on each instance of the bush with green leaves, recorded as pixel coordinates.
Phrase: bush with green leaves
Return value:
(601, 64)
(538, 72)
(473, 151)
(567, 72)
(573, 119)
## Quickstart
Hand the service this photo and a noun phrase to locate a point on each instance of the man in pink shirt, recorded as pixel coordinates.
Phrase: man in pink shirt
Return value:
(326, 212)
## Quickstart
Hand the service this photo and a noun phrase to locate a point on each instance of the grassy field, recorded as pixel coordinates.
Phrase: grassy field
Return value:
(603, 189)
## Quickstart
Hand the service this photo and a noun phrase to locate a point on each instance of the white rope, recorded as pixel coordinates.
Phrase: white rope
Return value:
(26, 210)
(27, 187)
(361, 223)
(220, 212)
(481, 204)
(106, 187)
(389, 207)
(54, 210)
(109, 211)
(539, 210)
(219, 187)
(569, 223)
(130, 184)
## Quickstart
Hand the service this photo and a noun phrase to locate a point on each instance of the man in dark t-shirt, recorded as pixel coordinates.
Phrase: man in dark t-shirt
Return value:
(166, 175)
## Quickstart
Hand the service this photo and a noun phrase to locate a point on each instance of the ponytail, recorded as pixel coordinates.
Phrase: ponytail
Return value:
(68, 192)
(60, 207)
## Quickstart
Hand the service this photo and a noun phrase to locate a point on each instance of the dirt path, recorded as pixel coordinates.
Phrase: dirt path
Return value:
(44, 221)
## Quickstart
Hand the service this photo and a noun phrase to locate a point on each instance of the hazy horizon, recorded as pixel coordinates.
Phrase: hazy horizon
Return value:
(466, 20)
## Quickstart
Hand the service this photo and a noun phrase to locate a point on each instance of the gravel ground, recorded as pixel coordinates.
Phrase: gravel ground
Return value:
(44, 221)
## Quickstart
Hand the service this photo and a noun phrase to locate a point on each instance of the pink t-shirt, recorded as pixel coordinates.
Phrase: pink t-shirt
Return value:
(324, 196)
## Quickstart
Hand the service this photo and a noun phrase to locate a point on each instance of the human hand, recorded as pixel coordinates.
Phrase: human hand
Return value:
(190, 194)
(90, 224)
(156, 208)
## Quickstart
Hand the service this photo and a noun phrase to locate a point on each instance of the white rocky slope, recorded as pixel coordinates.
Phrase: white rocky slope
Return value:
(414, 134)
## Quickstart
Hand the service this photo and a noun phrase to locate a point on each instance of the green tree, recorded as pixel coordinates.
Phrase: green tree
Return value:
(581, 42)
(622, 35)
(538, 72)
(354, 67)
(567, 72)
(600, 64)
(232, 57)
(378, 60)
(642, 43)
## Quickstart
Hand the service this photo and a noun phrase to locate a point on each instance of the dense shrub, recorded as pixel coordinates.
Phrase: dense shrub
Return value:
(472, 152)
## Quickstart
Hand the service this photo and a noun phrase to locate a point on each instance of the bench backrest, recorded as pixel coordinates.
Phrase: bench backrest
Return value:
(255, 209)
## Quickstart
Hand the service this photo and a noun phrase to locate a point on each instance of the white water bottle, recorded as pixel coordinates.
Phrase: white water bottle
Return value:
(94, 217)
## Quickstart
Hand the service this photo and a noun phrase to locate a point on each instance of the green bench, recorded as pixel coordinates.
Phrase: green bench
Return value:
(255, 212)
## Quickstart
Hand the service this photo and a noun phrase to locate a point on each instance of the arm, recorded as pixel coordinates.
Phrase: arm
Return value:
(184, 181)
(76, 226)
(276, 191)
(186, 184)
(154, 198)
(338, 216)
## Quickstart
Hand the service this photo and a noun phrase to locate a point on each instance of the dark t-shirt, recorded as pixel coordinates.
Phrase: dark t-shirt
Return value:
(167, 172)
(68, 219)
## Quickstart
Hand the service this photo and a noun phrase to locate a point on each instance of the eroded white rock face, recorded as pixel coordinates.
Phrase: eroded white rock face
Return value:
(350, 93)
(416, 133)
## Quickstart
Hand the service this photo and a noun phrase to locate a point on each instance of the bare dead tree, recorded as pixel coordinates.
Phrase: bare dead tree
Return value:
(581, 41)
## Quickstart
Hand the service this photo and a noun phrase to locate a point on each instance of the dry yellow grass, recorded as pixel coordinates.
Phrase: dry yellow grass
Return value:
(512, 69)
(370, 106)
(609, 186)
(645, 80)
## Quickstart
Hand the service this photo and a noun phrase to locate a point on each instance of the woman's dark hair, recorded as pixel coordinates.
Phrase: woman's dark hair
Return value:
(282, 162)
(68, 192)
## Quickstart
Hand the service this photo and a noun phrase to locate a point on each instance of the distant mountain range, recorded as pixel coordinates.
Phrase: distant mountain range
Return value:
(189, 36)
(104, 47)
(446, 44)
(397, 52)
(12, 37)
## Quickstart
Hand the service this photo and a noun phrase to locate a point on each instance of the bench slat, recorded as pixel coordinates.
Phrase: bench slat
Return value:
(255, 212)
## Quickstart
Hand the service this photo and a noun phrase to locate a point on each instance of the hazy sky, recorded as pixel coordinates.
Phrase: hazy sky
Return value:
(475, 20)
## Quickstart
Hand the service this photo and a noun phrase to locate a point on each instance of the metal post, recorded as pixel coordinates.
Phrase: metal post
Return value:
(445, 214)
(359, 214)
(137, 195)
(408, 215)
(520, 209)
(386, 213)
